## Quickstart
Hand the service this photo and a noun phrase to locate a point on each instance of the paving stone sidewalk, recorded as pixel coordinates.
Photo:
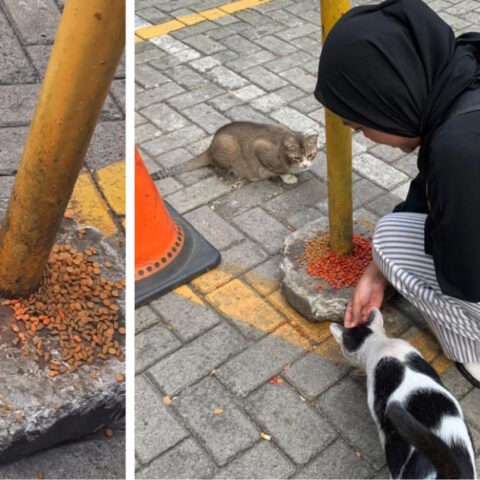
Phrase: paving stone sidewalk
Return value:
(224, 359)
(27, 30)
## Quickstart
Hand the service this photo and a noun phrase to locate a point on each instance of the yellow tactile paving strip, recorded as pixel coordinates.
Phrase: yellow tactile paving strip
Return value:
(153, 31)
(259, 302)
(99, 198)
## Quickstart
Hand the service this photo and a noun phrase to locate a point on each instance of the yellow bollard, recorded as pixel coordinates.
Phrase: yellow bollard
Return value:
(339, 154)
(87, 49)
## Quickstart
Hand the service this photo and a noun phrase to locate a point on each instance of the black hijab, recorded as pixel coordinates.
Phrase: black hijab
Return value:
(396, 67)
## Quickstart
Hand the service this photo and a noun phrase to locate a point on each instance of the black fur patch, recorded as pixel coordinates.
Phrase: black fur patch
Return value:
(429, 407)
(353, 338)
(420, 365)
(389, 374)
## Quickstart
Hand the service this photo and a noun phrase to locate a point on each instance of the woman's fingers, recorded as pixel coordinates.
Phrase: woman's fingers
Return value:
(348, 314)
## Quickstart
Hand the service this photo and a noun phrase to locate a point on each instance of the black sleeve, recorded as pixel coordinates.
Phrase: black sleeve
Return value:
(416, 200)
(454, 195)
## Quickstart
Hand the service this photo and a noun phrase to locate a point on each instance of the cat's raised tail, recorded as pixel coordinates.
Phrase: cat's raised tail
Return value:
(426, 442)
(202, 160)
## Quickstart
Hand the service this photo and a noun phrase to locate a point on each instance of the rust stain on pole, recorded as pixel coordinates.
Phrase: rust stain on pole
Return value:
(339, 154)
(87, 48)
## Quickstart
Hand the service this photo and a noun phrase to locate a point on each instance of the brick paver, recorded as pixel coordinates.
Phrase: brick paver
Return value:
(27, 30)
(232, 330)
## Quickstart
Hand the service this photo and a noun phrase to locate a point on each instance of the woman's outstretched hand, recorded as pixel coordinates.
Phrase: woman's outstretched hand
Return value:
(368, 294)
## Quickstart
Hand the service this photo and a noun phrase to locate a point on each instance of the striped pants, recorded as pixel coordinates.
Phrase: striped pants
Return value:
(398, 251)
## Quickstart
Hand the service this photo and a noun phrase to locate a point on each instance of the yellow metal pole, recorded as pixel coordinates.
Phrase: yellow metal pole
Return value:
(339, 154)
(87, 48)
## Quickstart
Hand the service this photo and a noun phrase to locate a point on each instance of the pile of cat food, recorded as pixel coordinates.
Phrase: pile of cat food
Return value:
(73, 318)
(337, 270)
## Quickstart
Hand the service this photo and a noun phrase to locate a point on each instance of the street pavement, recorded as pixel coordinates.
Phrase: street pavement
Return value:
(231, 382)
(27, 30)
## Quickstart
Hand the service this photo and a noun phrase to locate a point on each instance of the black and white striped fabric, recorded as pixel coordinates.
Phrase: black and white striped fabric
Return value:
(398, 251)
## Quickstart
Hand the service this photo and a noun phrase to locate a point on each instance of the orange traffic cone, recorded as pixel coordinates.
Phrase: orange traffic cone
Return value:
(168, 250)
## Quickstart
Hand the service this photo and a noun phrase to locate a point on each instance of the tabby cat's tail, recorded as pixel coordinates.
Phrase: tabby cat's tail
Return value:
(426, 442)
(202, 160)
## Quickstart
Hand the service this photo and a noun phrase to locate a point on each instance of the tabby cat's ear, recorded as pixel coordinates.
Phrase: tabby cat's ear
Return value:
(337, 331)
(311, 139)
(290, 143)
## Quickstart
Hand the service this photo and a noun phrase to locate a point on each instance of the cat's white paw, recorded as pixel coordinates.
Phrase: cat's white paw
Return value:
(289, 178)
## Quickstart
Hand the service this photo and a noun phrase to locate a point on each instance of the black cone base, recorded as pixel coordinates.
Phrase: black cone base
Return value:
(197, 256)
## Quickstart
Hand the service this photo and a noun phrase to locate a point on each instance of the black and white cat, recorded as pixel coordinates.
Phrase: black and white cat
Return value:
(420, 423)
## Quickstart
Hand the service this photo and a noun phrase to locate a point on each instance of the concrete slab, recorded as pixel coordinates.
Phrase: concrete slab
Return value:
(38, 412)
(300, 289)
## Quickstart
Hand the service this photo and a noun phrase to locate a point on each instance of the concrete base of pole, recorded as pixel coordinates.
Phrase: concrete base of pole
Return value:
(299, 287)
(38, 412)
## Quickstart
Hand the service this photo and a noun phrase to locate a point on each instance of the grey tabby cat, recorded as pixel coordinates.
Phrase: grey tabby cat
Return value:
(254, 151)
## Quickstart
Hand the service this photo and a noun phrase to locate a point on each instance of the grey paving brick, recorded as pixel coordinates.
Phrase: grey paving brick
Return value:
(198, 194)
(364, 191)
(218, 232)
(293, 201)
(296, 59)
(224, 435)
(196, 359)
(263, 228)
(300, 78)
(225, 102)
(304, 216)
(241, 257)
(470, 408)
(39, 55)
(18, 103)
(107, 144)
(145, 317)
(149, 53)
(199, 147)
(152, 344)
(146, 132)
(402, 190)
(337, 461)
(186, 460)
(345, 405)
(186, 76)
(456, 383)
(169, 44)
(157, 95)
(164, 117)
(295, 120)
(276, 99)
(14, 64)
(199, 95)
(195, 30)
(254, 32)
(256, 365)
(286, 18)
(173, 158)
(377, 171)
(12, 141)
(275, 45)
(248, 196)
(253, 60)
(36, 22)
(267, 271)
(204, 44)
(386, 153)
(248, 114)
(263, 460)
(457, 23)
(152, 15)
(156, 430)
(226, 78)
(309, 105)
(408, 165)
(309, 45)
(239, 44)
(183, 56)
(149, 77)
(173, 140)
(206, 116)
(384, 205)
(264, 78)
(206, 63)
(296, 427)
(312, 375)
(195, 176)
(188, 319)
(6, 185)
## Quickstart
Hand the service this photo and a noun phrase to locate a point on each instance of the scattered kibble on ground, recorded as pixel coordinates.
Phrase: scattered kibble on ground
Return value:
(337, 270)
(75, 308)
(120, 378)
(108, 432)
